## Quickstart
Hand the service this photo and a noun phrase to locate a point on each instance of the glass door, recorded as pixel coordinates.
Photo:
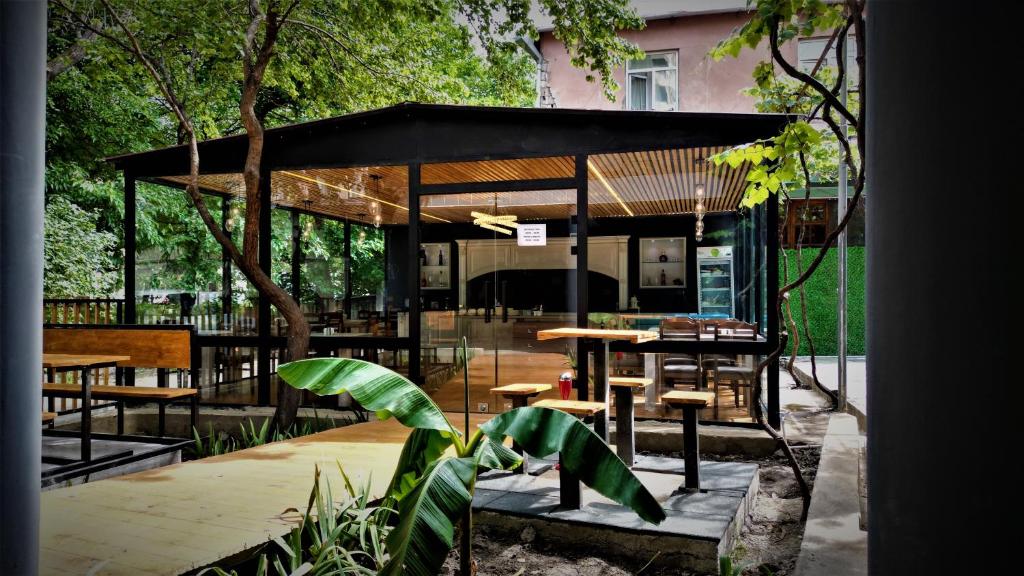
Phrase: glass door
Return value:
(512, 272)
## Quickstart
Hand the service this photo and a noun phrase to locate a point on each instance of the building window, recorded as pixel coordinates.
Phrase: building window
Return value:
(809, 51)
(653, 83)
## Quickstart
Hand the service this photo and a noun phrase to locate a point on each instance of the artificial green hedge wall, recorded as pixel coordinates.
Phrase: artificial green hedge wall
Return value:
(822, 298)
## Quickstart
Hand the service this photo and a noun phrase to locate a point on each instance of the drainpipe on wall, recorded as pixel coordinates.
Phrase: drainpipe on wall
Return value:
(531, 48)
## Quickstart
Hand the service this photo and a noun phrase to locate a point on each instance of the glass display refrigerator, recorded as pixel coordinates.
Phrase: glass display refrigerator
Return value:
(715, 293)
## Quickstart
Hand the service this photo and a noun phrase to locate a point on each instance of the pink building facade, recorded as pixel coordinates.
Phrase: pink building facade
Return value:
(701, 83)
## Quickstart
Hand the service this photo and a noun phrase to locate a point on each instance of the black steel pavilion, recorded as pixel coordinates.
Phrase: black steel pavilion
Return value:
(599, 180)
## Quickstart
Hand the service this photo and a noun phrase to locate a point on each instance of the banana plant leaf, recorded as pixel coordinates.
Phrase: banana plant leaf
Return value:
(375, 387)
(543, 431)
(493, 454)
(421, 448)
(420, 542)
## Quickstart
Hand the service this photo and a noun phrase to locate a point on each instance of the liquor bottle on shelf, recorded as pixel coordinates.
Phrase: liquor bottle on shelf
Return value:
(663, 278)
(423, 279)
(440, 256)
(663, 257)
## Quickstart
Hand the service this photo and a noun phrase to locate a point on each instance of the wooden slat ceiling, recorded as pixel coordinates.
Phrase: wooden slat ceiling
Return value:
(635, 183)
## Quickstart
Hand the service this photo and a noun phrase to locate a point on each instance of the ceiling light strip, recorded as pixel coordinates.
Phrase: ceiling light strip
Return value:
(607, 186)
(350, 191)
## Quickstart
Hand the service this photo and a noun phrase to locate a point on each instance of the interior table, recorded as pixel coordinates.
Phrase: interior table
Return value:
(597, 340)
(83, 362)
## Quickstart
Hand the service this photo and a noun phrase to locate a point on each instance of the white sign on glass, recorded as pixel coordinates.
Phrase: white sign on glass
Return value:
(532, 235)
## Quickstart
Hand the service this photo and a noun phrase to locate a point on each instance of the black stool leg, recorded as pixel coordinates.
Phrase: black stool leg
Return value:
(568, 486)
(691, 455)
(163, 410)
(624, 440)
(193, 412)
(120, 418)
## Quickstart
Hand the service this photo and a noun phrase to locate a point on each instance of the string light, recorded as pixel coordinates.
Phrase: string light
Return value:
(699, 210)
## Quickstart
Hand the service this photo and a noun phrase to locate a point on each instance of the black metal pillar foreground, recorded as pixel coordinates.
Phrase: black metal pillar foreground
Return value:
(413, 274)
(263, 325)
(940, 482)
(22, 133)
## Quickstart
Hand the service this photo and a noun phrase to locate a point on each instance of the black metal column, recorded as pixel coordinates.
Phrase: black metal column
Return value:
(225, 263)
(772, 298)
(582, 285)
(348, 268)
(413, 274)
(939, 325)
(130, 314)
(22, 134)
(263, 327)
(601, 391)
(129, 248)
(296, 271)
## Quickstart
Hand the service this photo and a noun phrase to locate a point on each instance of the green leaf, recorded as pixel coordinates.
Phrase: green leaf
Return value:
(734, 159)
(420, 542)
(421, 448)
(543, 431)
(495, 455)
(375, 387)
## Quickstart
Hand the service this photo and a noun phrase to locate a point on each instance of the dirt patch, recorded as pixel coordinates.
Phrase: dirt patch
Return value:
(770, 540)
(528, 557)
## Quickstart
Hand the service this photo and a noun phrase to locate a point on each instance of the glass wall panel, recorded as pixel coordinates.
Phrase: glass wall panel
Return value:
(496, 268)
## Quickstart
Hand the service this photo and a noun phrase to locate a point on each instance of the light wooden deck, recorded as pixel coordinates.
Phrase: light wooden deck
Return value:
(177, 518)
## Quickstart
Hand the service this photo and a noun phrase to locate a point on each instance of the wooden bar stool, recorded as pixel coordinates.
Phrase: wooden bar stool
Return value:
(568, 483)
(625, 387)
(520, 394)
(690, 402)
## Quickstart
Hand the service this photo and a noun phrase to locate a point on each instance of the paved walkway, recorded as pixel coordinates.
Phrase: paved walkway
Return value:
(856, 379)
(181, 517)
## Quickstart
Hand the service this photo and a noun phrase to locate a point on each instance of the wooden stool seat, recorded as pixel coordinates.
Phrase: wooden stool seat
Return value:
(511, 390)
(629, 382)
(680, 398)
(574, 407)
(49, 417)
(690, 402)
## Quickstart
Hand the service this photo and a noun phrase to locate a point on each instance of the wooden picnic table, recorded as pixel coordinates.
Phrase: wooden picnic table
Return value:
(598, 339)
(83, 362)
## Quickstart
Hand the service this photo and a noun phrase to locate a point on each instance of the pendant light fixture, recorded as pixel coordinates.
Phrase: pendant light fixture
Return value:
(699, 210)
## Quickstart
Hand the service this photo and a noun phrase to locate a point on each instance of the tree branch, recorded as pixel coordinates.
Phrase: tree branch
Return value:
(803, 77)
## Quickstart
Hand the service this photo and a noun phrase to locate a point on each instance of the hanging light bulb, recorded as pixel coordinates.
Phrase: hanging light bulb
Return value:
(699, 210)
(376, 221)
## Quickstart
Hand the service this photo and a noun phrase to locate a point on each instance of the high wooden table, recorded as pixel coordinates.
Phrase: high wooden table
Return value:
(597, 339)
(520, 394)
(83, 362)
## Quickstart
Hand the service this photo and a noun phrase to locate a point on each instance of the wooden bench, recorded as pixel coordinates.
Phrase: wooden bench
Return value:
(569, 484)
(691, 403)
(624, 388)
(520, 394)
(163, 347)
(49, 418)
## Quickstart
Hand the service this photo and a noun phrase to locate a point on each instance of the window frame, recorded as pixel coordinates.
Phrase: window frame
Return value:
(648, 73)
